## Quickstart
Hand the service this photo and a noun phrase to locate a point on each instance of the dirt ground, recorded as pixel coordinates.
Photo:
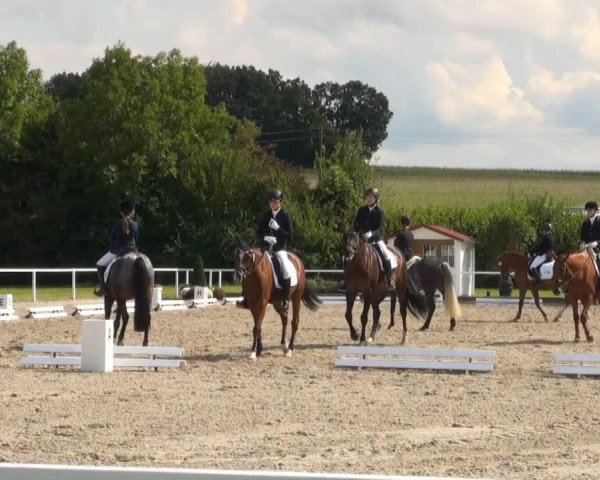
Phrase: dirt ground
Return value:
(302, 414)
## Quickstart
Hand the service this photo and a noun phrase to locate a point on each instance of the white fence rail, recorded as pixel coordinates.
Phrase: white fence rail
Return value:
(210, 273)
(12, 471)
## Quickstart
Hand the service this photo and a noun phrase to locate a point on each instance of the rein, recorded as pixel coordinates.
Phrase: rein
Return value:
(244, 272)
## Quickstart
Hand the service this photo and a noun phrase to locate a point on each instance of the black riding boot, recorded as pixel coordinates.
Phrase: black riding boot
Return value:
(387, 268)
(285, 293)
(537, 278)
(99, 291)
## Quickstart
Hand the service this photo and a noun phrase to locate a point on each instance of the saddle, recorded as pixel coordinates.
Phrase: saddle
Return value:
(278, 271)
(133, 253)
(380, 259)
(546, 271)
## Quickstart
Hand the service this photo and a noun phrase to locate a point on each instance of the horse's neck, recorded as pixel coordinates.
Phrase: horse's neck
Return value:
(516, 260)
(365, 259)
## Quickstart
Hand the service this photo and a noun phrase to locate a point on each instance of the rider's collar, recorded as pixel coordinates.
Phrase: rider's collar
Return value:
(275, 212)
(371, 207)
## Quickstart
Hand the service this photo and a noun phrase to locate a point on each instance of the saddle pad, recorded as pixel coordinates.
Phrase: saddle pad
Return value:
(133, 256)
(546, 271)
(414, 259)
(291, 269)
(392, 258)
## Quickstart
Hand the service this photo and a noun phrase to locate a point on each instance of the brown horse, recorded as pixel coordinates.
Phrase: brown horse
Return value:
(576, 275)
(253, 269)
(517, 263)
(363, 275)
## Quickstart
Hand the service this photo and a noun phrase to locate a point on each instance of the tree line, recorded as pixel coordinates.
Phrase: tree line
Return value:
(198, 146)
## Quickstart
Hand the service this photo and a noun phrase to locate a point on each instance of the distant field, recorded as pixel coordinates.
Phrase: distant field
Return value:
(411, 187)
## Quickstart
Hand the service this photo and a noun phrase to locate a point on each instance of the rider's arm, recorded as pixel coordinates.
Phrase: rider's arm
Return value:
(286, 229)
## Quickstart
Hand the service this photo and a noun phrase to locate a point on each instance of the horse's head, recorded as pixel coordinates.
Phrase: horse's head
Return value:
(505, 264)
(350, 244)
(244, 263)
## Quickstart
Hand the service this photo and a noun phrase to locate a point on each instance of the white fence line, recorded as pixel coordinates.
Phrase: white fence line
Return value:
(13, 471)
(208, 271)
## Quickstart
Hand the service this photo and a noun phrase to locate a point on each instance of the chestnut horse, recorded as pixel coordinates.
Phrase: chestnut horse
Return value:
(518, 263)
(363, 275)
(576, 275)
(253, 268)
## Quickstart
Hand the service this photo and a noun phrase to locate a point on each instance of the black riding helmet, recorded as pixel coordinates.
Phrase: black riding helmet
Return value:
(591, 206)
(276, 194)
(372, 191)
(404, 221)
(547, 227)
(127, 206)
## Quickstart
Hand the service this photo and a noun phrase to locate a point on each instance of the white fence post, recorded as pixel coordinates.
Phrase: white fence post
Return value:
(210, 278)
(220, 278)
(176, 283)
(73, 285)
(33, 285)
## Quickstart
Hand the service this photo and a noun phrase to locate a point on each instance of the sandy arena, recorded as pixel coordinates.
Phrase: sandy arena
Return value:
(224, 411)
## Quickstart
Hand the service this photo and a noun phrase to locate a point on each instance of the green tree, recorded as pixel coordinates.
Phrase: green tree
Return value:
(355, 107)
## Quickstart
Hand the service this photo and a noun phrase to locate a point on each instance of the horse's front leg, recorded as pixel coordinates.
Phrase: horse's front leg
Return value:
(584, 318)
(576, 319)
(522, 293)
(431, 308)
(350, 298)
(258, 313)
(295, 322)
(364, 318)
(402, 301)
(376, 315)
(536, 299)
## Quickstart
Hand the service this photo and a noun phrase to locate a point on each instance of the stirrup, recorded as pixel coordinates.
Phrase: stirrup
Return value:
(285, 304)
(99, 290)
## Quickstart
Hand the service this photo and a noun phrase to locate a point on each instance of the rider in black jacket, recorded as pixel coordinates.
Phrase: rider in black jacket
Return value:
(405, 239)
(541, 253)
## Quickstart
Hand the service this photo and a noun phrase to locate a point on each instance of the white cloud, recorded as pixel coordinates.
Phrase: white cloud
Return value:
(469, 94)
(543, 82)
(588, 35)
(240, 11)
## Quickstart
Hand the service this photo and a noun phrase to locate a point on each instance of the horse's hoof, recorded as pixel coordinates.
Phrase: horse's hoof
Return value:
(253, 356)
(545, 319)
(514, 320)
(288, 353)
(391, 325)
(576, 340)
(423, 329)
(556, 320)
(354, 336)
(370, 340)
(452, 324)
(590, 339)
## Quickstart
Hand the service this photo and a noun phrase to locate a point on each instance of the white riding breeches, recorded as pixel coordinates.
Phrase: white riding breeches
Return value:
(106, 260)
(381, 244)
(284, 262)
(537, 261)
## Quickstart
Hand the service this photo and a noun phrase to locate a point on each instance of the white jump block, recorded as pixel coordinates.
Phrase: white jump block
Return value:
(46, 312)
(201, 303)
(168, 305)
(7, 312)
(415, 358)
(577, 364)
(127, 356)
(89, 310)
(97, 346)
(486, 301)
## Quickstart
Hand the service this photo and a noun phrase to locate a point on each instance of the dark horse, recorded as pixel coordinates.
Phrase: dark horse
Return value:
(363, 275)
(131, 276)
(253, 268)
(432, 274)
(518, 264)
(576, 275)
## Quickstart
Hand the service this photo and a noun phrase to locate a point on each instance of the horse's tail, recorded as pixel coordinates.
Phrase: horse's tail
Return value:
(450, 300)
(310, 299)
(417, 302)
(141, 285)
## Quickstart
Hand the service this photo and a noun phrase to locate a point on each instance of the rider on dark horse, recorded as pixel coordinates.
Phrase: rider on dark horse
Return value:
(405, 239)
(275, 229)
(369, 223)
(541, 254)
(123, 236)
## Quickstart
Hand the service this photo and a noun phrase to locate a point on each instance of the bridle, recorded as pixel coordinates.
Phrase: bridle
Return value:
(241, 270)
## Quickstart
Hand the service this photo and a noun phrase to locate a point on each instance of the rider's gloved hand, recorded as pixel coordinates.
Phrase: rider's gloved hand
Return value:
(273, 224)
(367, 235)
(593, 244)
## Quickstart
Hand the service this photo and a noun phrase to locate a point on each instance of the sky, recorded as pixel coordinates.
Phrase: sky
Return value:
(471, 83)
